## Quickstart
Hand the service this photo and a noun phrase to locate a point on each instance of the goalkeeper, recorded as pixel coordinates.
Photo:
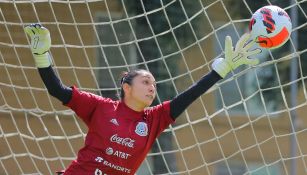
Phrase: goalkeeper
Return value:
(121, 132)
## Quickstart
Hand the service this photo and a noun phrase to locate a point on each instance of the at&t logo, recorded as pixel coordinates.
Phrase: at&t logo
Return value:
(120, 154)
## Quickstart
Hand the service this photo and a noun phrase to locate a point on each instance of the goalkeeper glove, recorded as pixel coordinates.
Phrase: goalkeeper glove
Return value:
(40, 44)
(235, 57)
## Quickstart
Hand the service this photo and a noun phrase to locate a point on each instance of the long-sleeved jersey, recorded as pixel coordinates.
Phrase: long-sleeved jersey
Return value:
(119, 138)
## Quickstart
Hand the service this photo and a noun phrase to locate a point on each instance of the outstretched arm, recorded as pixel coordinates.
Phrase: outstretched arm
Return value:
(184, 99)
(54, 85)
(221, 67)
(40, 45)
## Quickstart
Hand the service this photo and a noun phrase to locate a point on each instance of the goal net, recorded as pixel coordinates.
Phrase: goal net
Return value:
(252, 122)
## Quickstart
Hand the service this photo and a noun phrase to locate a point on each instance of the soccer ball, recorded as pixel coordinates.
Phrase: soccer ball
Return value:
(270, 26)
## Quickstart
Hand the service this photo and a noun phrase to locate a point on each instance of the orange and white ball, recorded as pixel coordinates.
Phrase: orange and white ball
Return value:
(270, 26)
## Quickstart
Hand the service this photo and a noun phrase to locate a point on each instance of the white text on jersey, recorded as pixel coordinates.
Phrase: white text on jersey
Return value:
(111, 165)
(120, 154)
(128, 142)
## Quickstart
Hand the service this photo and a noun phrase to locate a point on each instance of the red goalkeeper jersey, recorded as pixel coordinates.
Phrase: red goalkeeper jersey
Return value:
(118, 137)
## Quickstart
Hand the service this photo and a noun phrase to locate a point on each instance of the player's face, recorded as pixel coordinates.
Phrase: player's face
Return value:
(142, 91)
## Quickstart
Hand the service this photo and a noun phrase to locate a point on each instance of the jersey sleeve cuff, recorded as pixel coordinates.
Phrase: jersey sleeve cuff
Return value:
(166, 107)
(73, 96)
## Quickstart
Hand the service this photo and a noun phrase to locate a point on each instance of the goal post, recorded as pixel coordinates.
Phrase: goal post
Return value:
(252, 122)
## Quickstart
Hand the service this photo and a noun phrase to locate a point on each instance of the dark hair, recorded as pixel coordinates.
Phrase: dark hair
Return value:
(127, 77)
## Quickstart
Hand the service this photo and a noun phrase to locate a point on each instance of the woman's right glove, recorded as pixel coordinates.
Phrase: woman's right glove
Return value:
(235, 57)
(40, 44)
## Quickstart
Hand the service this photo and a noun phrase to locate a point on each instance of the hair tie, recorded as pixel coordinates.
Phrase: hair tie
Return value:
(122, 81)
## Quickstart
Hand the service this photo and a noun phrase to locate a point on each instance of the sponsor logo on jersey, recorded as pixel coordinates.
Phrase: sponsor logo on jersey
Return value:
(114, 121)
(120, 154)
(98, 159)
(141, 129)
(110, 165)
(128, 142)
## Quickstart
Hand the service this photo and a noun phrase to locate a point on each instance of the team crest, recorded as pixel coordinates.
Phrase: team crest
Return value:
(141, 129)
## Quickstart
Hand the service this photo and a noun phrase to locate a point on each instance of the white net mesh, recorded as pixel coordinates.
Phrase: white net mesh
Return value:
(257, 116)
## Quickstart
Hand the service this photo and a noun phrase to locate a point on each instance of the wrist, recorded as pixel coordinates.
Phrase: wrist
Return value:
(221, 67)
(42, 60)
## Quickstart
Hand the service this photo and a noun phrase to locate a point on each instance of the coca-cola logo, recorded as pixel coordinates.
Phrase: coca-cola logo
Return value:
(128, 142)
